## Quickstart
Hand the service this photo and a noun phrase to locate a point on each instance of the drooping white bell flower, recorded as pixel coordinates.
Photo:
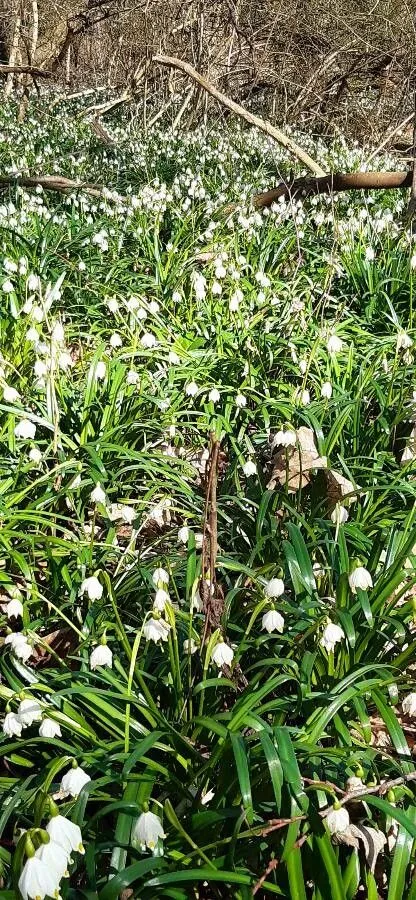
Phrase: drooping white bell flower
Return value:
(156, 630)
(101, 656)
(191, 389)
(35, 455)
(10, 394)
(65, 833)
(92, 587)
(161, 599)
(15, 638)
(214, 395)
(273, 621)
(23, 650)
(115, 340)
(148, 340)
(338, 820)
(12, 725)
(409, 704)
(285, 438)
(29, 711)
(339, 515)
(250, 468)
(54, 857)
(160, 576)
(120, 512)
(326, 390)
(147, 831)
(100, 370)
(73, 781)
(189, 646)
(360, 578)
(25, 430)
(222, 654)
(334, 344)
(98, 495)
(14, 608)
(183, 534)
(404, 341)
(50, 729)
(332, 635)
(240, 401)
(274, 588)
(38, 881)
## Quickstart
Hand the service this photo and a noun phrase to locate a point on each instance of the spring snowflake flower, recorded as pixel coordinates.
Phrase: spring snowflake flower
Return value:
(305, 398)
(54, 857)
(115, 341)
(32, 336)
(12, 725)
(403, 342)
(38, 880)
(189, 646)
(98, 495)
(334, 344)
(23, 650)
(14, 608)
(199, 285)
(33, 282)
(132, 377)
(183, 534)
(214, 396)
(160, 576)
(326, 390)
(147, 831)
(273, 621)
(177, 297)
(17, 637)
(120, 512)
(50, 729)
(191, 389)
(173, 358)
(339, 515)
(29, 711)
(64, 833)
(92, 587)
(409, 704)
(25, 430)
(240, 401)
(10, 394)
(73, 781)
(156, 630)
(113, 305)
(100, 370)
(101, 656)
(286, 438)
(148, 340)
(332, 635)
(338, 820)
(216, 289)
(303, 365)
(222, 654)
(161, 599)
(274, 588)
(58, 333)
(40, 368)
(360, 578)
(250, 468)
(8, 287)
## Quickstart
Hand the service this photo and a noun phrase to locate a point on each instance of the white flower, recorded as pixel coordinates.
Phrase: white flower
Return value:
(191, 389)
(183, 534)
(33, 282)
(404, 342)
(37, 314)
(40, 368)
(214, 396)
(284, 439)
(156, 630)
(65, 360)
(360, 578)
(200, 286)
(161, 599)
(98, 495)
(177, 297)
(54, 857)
(189, 646)
(22, 650)
(8, 286)
(112, 304)
(58, 333)
(35, 455)
(101, 656)
(154, 307)
(249, 468)
(274, 588)
(354, 784)
(15, 638)
(32, 336)
(38, 880)
(303, 365)
(338, 820)
(132, 377)
(63, 832)
(14, 608)
(50, 729)
(222, 654)
(409, 704)
(370, 254)
(10, 394)
(207, 797)
(334, 344)
(119, 512)
(413, 261)
(115, 341)
(173, 358)
(12, 725)
(100, 370)
(92, 587)
(147, 831)
(240, 401)
(29, 711)
(326, 390)
(216, 289)
(273, 621)
(25, 430)
(73, 781)
(305, 398)
(339, 515)
(332, 635)
(160, 575)
(148, 340)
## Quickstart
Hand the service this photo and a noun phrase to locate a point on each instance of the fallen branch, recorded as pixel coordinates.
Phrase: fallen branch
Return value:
(248, 117)
(56, 183)
(333, 183)
(24, 70)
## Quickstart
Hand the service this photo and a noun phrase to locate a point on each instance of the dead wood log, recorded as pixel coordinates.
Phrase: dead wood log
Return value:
(24, 70)
(333, 183)
(56, 183)
(248, 117)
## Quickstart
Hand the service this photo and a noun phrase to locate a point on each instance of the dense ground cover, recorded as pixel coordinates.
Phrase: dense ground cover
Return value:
(133, 330)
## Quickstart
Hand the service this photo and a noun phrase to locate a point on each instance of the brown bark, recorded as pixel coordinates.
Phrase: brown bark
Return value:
(333, 183)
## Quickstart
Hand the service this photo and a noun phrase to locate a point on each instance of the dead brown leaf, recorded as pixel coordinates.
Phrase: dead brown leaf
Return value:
(293, 466)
